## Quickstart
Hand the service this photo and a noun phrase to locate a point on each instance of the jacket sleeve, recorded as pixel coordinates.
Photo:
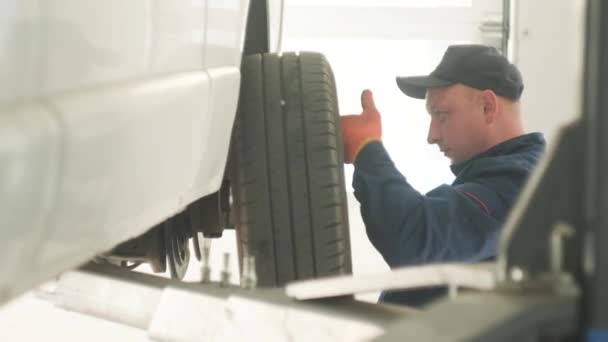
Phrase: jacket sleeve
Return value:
(448, 224)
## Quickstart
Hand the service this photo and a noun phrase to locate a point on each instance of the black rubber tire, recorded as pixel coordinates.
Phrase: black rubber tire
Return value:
(287, 174)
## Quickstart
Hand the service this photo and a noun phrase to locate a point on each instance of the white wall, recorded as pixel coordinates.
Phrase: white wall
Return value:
(547, 45)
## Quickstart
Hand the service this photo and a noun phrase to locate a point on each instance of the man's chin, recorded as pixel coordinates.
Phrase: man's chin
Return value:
(454, 161)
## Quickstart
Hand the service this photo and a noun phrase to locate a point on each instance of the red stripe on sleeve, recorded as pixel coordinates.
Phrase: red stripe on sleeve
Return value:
(480, 202)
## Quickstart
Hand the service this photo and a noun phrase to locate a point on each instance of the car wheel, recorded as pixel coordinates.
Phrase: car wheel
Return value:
(286, 168)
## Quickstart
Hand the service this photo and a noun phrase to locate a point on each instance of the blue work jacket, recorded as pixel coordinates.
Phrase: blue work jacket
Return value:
(452, 223)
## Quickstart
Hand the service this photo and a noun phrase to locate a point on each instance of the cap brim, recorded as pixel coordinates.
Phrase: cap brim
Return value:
(416, 86)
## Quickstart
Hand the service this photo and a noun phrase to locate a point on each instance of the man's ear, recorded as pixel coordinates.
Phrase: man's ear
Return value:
(490, 105)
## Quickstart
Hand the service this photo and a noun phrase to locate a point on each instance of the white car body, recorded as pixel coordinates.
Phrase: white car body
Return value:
(114, 115)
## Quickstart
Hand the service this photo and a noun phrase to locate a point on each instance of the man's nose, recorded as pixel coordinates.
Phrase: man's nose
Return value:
(433, 135)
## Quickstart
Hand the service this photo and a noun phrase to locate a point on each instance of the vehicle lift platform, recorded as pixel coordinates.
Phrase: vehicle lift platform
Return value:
(317, 310)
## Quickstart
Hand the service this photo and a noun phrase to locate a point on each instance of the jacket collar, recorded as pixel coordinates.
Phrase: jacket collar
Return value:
(506, 147)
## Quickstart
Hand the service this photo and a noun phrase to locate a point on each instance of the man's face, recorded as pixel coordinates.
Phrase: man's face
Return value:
(458, 124)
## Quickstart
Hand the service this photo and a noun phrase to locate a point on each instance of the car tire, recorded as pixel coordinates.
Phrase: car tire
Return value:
(287, 176)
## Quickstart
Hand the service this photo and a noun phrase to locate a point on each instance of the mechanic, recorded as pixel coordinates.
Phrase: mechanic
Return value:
(473, 100)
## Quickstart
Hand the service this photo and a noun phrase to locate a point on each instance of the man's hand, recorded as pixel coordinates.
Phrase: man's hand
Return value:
(358, 130)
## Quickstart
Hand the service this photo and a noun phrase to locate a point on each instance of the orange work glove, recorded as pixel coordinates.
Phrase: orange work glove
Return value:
(358, 130)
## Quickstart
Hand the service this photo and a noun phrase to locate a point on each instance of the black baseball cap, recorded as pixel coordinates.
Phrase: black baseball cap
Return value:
(477, 66)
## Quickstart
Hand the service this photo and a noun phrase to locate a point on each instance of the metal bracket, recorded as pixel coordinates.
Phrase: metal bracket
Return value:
(480, 277)
(553, 198)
